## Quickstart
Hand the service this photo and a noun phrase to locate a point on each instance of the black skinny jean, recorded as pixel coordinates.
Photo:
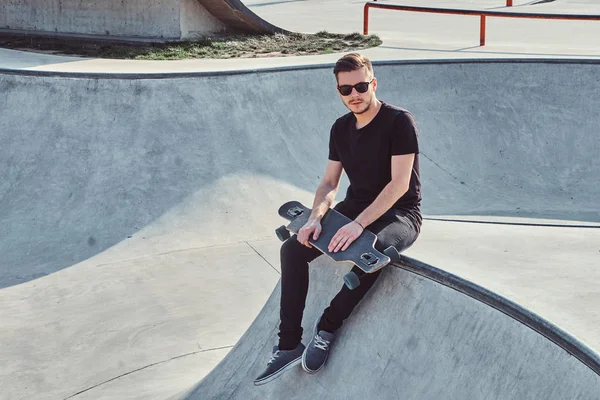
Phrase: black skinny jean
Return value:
(392, 229)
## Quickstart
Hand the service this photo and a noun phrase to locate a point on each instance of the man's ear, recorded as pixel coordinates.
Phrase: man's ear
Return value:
(374, 83)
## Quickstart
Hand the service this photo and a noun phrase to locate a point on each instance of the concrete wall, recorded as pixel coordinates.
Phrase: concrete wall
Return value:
(165, 19)
(196, 21)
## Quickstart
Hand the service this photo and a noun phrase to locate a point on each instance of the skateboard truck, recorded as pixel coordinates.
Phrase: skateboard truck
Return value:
(369, 259)
(352, 278)
(295, 211)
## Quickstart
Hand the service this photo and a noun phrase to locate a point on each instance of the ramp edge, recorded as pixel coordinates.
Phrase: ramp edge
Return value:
(552, 332)
(244, 71)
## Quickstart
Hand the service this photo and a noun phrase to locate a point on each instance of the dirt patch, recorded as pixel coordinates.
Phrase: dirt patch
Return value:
(277, 45)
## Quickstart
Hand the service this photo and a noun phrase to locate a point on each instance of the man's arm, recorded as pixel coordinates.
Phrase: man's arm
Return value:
(393, 191)
(324, 198)
(325, 195)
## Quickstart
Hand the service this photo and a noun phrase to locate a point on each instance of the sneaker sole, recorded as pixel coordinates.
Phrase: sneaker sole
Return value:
(278, 373)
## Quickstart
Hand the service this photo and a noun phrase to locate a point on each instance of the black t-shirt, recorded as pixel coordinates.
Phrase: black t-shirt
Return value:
(366, 156)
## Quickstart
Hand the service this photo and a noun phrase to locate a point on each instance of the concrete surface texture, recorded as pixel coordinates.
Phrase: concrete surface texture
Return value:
(137, 217)
(137, 19)
(412, 339)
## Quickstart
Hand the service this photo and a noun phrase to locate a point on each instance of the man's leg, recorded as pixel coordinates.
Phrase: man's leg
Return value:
(391, 230)
(398, 231)
(294, 287)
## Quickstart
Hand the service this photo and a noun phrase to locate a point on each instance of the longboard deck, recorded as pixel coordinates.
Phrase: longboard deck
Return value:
(361, 252)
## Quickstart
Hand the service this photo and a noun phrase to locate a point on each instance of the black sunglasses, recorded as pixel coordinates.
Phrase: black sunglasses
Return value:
(360, 87)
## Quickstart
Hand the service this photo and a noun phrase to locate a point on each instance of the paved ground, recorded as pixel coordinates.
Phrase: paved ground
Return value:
(137, 215)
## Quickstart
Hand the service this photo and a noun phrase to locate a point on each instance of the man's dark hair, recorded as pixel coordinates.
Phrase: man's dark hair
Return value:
(352, 62)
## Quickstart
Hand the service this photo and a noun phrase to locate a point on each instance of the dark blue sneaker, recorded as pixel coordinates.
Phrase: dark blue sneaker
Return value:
(280, 361)
(315, 355)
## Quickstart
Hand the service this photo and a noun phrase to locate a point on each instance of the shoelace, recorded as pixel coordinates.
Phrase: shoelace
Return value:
(321, 343)
(273, 357)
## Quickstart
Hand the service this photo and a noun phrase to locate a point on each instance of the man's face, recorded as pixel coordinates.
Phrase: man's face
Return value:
(357, 102)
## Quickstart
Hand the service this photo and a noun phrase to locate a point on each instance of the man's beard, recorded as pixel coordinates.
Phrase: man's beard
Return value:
(364, 110)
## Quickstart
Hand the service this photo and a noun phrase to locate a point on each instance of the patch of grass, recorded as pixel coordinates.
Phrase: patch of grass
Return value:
(277, 45)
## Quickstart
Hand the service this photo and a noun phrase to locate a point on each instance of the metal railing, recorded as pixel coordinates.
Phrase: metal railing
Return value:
(482, 14)
(509, 3)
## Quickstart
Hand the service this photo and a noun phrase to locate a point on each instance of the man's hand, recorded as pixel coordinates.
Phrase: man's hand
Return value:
(345, 236)
(312, 227)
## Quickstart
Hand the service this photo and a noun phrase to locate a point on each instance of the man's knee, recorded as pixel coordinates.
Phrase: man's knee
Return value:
(293, 251)
(398, 234)
(290, 247)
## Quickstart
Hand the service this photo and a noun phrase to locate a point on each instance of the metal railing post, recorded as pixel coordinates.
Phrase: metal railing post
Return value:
(366, 20)
(482, 31)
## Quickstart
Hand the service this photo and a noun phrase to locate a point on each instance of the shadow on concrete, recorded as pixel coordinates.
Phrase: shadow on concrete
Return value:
(272, 3)
(16, 59)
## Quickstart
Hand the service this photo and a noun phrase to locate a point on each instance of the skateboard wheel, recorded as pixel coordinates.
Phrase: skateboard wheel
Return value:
(392, 253)
(351, 280)
(282, 233)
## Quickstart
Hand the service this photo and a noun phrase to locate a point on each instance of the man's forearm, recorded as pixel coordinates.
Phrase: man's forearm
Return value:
(386, 199)
(323, 200)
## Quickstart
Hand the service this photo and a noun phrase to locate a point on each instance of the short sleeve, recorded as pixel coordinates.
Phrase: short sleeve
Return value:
(404, 135)
(333, 153)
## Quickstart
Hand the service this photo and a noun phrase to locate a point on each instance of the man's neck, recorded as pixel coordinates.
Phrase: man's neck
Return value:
(366, 117)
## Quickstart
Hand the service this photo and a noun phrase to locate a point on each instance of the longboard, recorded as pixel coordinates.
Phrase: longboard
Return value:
(361, 252)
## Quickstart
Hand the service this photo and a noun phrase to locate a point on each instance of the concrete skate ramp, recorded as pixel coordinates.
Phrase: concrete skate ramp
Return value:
(114, 167)
(104, 158)
(420, 334)
(238, 18)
